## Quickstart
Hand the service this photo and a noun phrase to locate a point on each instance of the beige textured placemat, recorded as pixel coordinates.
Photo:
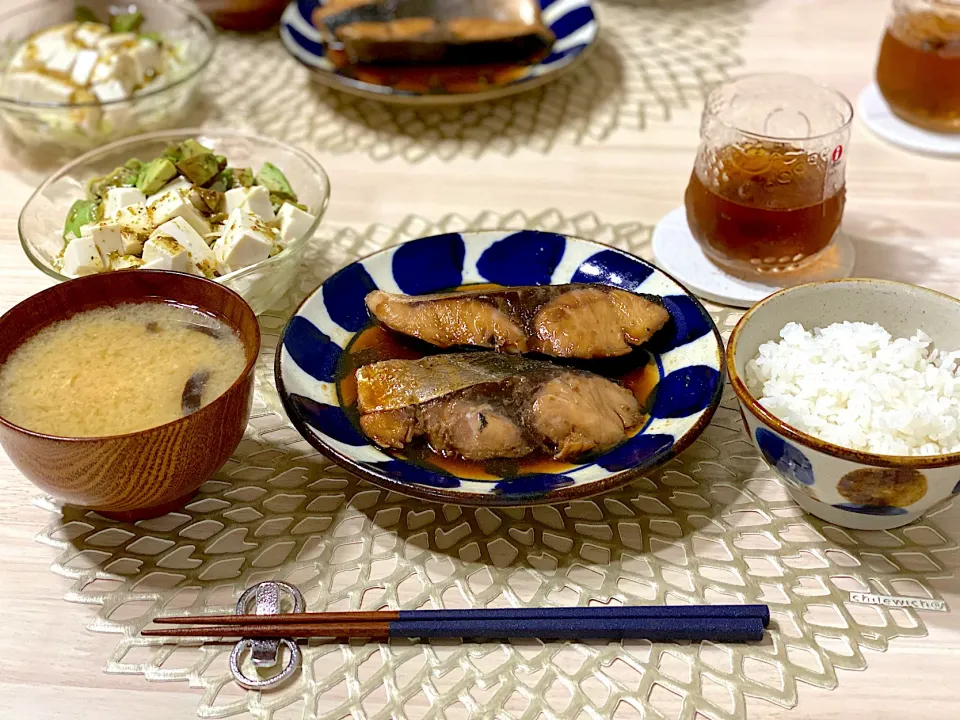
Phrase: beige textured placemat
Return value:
(654, 57)
(712, 525)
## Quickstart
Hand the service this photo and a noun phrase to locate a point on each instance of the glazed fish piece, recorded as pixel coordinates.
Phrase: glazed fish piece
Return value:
(449, 32)
(484, 405)
(566, 321)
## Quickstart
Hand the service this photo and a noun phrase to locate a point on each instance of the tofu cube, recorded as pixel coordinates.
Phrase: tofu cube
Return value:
(112, 41)
(127, 262)
(62, 60)
(245, 241)
(119, 68)
(186, 236)
(132, 243)
(81, 257)
(51, 41)
(294, 222)
(88, 34)
(178, 204)
(119, 198)
(162, 252)
(174, 186)
(36, 87)
(146, 55)
(83, 67)
(234, 198)
(135, 219)
(23, 57)
(107, 237)
(102, 70)
(110, 91)
(258, 202)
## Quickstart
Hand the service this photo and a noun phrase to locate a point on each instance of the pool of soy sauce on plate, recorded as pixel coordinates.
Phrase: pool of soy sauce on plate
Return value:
(637, 372)
(440, 79)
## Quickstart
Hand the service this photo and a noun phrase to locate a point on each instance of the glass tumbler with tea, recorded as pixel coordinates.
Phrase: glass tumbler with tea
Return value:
(768, 188)
(918, 71)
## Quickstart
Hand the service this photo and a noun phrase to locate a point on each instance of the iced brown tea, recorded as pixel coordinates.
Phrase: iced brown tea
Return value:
(763, 206)
(767, 190)
(918, 72)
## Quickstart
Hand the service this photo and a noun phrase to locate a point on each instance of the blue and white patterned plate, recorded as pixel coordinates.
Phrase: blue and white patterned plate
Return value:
(688, 356)
(573, 22)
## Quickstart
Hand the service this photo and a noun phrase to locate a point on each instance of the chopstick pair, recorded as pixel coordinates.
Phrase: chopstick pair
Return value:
(718, 623)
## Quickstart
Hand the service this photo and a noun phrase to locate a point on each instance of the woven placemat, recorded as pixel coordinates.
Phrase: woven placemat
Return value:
(713, 525)
(654, 57)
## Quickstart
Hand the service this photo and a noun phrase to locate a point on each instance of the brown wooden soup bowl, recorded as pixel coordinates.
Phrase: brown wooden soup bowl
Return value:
(149, 472)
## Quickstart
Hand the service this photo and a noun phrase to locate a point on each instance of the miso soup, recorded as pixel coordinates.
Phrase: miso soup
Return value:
(118, 370)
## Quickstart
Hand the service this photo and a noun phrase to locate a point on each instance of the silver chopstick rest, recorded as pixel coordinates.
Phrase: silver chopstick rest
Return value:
(266, 652)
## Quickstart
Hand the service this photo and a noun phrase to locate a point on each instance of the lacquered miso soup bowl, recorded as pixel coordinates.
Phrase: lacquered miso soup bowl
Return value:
(847, 487)
(148, 472)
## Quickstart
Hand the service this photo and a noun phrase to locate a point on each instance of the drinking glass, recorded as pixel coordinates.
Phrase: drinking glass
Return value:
(918, 71)
(767, 190)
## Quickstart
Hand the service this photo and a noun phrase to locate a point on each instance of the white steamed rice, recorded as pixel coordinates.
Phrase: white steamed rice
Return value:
(853, 384)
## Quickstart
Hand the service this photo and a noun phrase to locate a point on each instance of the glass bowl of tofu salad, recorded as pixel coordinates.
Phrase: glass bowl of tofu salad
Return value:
(235, 208)
(76, 75)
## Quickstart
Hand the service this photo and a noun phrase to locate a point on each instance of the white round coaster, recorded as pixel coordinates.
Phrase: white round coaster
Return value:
(677, 252)
(877, 115)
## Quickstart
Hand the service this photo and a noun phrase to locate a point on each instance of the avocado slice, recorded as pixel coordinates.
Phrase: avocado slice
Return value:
(273, 179)
(155, 174)
(124, 176)
(81, 13)
(199, 169)
(182, 151)
(82, 212)
(243, 177)
(223, 181)
(211, 200)
(191, 147)
(126, 22)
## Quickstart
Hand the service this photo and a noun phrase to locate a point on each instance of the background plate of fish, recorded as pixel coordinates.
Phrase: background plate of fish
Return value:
(463, 50)
(500, 368)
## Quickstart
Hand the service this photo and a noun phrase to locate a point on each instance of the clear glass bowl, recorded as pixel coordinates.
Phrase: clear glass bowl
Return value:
(81, 126)
(261, 285)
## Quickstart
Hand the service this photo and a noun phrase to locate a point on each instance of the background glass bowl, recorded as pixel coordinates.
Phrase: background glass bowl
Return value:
(80, 127)
(262, 284)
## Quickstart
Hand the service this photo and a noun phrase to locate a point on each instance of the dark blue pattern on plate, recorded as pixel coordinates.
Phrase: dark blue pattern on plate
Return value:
(312, 349)
(686, 391)
(429, 264)
(956, 488)
(532, 485)
(558, 56)
(688, 322)
(528, 257)
(343, 295)
(328, 419)
(786, 459)
(303, 41)
(571, 22)
(307, 7)
(636, 452)
(404, 472)
(872, 509)
(611, 267)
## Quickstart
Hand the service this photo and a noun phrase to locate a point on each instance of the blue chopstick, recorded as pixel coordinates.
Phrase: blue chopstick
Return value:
(662, 629)
(596, 611)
